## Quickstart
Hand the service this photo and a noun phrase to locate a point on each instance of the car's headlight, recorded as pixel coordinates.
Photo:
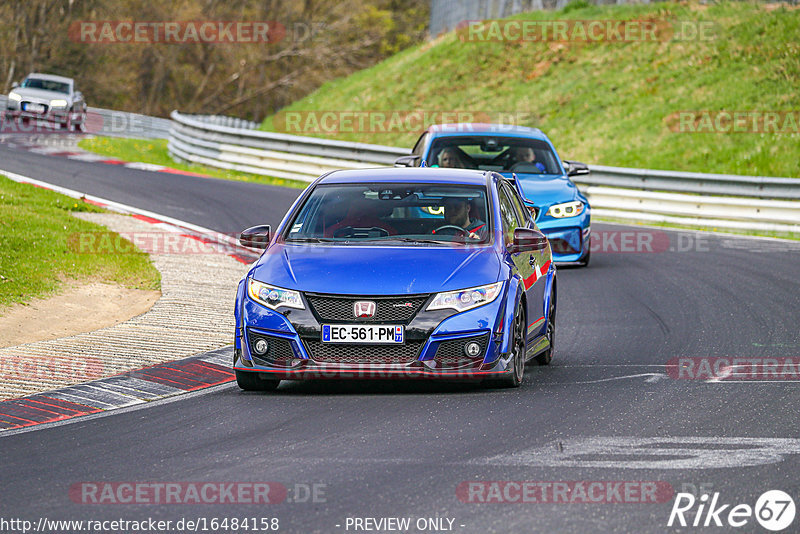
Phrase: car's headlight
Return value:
(466, 299)
(14, 96)
(58, 103)
(567, 209)
(273, 297)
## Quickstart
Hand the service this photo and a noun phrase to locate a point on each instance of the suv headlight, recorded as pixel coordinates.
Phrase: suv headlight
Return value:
(273, 297)
(58, 103)
(566, 209)
(466, 299)
(14, 96)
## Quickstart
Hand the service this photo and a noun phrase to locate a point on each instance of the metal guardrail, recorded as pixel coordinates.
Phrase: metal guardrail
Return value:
(113, 123)
(695, 199)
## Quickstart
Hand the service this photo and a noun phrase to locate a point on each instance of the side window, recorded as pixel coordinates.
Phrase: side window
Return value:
(519, 208)
(510, 222)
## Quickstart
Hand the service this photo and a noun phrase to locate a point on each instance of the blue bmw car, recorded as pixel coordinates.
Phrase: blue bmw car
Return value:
(398, 273)
(561, 211)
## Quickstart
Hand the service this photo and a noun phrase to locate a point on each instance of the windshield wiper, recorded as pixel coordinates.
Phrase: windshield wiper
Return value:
(406, 240)
(310, 240)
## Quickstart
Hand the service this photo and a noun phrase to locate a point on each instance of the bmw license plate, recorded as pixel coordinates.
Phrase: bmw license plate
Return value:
(34, 108)
(363, 333)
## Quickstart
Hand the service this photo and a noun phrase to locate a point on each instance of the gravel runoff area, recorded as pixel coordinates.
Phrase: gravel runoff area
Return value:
(193, 315)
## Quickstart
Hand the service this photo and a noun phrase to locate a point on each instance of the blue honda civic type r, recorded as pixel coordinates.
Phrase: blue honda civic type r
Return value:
(562, 212)
(398, 273)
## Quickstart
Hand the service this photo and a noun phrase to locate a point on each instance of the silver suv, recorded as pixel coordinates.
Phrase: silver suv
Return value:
(48, 97)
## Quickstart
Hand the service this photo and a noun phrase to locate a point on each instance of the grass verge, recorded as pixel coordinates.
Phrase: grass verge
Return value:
(155, 151)
(609, 103)
(35, 255)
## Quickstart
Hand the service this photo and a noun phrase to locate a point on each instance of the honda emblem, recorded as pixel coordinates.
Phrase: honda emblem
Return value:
(364, 309)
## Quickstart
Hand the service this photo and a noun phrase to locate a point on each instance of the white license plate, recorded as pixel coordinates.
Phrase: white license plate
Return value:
(35, 108)
(363, 333)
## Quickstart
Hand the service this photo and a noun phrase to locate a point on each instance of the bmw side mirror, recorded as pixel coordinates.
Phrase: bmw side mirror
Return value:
(406, 161)
(528, 239)
(14, 85)
(575, 168)
(256, 236)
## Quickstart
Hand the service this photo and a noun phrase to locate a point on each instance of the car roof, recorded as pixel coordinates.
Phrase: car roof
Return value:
(411, 175)
(51, 77)
(482, 128)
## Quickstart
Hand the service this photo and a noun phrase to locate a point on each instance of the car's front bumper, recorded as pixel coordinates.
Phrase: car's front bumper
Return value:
(433, 346)
(570, 238)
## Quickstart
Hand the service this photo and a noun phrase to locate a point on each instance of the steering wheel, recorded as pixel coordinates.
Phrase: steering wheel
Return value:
(458, 230)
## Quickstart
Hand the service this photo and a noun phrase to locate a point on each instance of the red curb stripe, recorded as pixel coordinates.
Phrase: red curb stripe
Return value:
(146, 219)
(185, 173)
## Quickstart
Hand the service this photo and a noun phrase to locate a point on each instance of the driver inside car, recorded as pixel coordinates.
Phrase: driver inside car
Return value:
(525, 154)
(458, 213)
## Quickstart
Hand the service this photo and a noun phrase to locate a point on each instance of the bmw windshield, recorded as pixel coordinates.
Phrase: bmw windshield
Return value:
(392, 214)
(494, 153)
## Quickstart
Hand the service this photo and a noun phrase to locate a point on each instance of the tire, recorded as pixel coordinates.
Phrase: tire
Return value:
(250, 381)
(546, 357)
(518, 347)
(584, 261)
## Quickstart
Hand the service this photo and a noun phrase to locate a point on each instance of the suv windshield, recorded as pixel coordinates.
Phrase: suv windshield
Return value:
(494, 153)
(392, 213)
(47, 85)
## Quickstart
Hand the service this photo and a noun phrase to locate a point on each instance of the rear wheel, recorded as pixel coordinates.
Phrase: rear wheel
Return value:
(545, 357)
(250, 381)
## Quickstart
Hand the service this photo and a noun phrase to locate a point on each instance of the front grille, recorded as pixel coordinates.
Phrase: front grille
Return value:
(337, 309)
(279, 351)
(363, 354)
(451, 353)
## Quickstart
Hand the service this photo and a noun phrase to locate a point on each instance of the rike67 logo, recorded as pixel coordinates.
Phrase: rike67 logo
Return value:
(774, 510)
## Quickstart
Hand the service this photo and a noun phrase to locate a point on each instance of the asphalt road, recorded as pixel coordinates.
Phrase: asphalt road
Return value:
(607, 409)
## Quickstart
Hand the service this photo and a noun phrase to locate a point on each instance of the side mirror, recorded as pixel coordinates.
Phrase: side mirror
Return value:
(575, 168)
(256, 236)
(14, 85)
(528, 239)
(406, 161)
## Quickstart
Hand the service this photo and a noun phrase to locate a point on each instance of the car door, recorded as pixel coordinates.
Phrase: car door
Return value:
(530, 264)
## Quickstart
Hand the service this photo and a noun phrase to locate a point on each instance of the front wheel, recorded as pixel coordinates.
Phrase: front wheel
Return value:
(250, 381)
(518, 346)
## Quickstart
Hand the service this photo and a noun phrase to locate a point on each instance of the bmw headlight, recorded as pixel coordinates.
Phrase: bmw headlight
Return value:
(273, 297)
(58, 103)
(566, 209)
(14, 96)
(466, 299)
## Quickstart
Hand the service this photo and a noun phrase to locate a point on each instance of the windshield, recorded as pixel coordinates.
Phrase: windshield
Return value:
(392, 213)
(494, 153)
(47, 85)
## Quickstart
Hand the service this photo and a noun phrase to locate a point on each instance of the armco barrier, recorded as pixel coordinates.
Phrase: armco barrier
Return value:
(121, 123)
(716, 200)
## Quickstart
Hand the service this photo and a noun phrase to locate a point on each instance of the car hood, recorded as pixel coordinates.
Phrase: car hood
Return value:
(355, 270)
(26, 92)
(547, 189)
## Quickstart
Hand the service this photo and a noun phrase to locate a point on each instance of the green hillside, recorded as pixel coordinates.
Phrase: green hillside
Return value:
(610, 103)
